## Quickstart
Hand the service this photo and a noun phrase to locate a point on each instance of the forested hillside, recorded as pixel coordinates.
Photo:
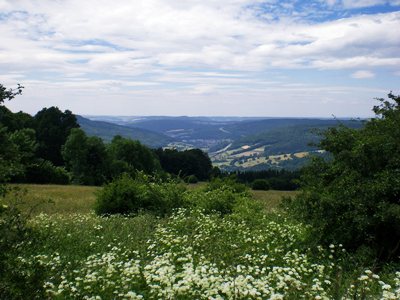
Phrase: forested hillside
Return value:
(106, 131)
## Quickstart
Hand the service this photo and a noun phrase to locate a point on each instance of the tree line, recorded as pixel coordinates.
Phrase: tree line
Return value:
(49, 147)
(272, 179)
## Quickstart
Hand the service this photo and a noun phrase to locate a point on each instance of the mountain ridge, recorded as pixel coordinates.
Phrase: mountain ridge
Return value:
(232, 142)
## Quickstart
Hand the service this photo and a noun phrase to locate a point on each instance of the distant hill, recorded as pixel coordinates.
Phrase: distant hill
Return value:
(233, 143)
(107, 131)
(186, 128)
(192, 128)
(288, 137)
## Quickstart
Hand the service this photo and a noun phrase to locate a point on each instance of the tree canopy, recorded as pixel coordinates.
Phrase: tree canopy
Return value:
(185, 163)
(87, 158)
(52, 130)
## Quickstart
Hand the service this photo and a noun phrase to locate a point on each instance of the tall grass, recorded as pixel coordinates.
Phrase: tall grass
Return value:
(190, 255)
(55, 199)
(67, 199)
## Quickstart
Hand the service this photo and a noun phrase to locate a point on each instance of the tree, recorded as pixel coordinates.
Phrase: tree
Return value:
(86, 157)
(52, 129)
(130, 156)
(354, 198)
(10, 164)
(196, 162)
(185, 163)
(15, 121)
(10, 160)
(9, 94)
(261, 185)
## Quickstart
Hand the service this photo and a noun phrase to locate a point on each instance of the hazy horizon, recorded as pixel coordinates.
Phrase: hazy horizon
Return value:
(211, 116)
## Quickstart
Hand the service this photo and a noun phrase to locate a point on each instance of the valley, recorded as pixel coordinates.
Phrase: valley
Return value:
(232, 143)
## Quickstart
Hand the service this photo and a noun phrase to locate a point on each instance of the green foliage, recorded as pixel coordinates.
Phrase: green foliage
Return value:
(129, 156)
(86, 158)
(188, 255)
(10, 160)
(227, 182)
(9, 94)
(15, 121)
(16, 280)
(221, 200)
(43, 171)
(52, 130)
(22, 165)
(128, 195)
(261, 185)
(25, 141)
(192, 255)
(353, 199)
(185, 163)
(219, 196)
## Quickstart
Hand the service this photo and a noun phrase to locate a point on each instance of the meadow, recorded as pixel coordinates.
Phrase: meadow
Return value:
(248, 254)
(64, 199)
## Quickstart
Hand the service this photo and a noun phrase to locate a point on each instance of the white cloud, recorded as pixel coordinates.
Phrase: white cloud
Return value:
(142, 35)
(368, 3)
(356, 62)
(363, 74)
(361, 3)
(331, 2)
(203, 47)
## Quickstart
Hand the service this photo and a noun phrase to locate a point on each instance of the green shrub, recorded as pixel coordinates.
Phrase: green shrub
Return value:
(128, 195)
(353, 199)
(261, 185)
(227, 183)
(44, 171)
(17, 279)
(222, 200)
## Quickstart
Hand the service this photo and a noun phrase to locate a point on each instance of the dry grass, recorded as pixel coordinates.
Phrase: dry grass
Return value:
(52, 199)
(195, 186)
(271, 199)
(66, 199)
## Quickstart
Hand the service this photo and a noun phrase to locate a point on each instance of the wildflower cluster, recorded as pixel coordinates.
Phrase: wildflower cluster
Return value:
(193, 255)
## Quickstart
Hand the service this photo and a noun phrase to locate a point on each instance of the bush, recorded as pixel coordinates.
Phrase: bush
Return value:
(45, 172)
(353, 199)
(221, 201)
(17, 280)
(261, 185)
(223, 196)
(227, 183)
(128, 195)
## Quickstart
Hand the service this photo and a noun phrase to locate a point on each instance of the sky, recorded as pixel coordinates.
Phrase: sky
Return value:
(317, 58)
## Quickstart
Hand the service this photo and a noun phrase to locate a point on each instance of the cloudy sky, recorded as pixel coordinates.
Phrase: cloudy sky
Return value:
(314, 58)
